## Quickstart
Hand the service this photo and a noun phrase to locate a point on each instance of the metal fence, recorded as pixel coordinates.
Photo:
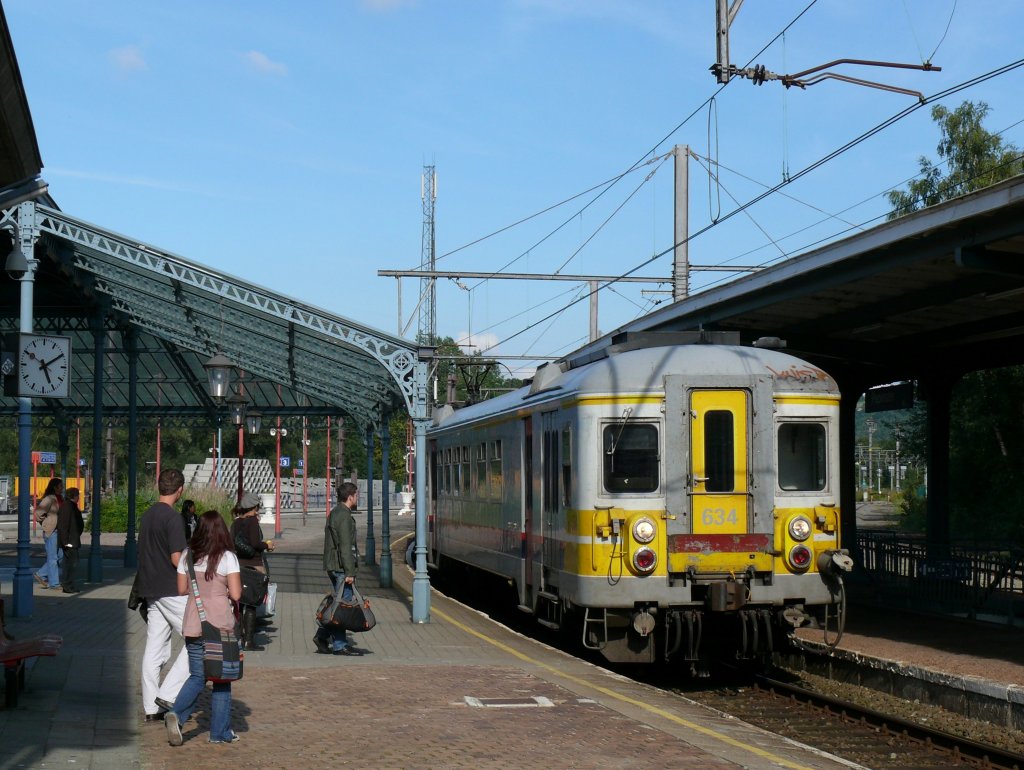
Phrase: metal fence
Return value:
(962, 579)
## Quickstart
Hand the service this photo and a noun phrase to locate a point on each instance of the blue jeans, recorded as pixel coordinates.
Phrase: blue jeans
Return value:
(220, 703)
(337, 639)
(50, 571)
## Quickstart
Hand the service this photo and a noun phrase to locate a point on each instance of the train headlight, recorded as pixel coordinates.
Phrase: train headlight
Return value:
(800, 557)
(644, 530)
(644, 559)
(800, 528)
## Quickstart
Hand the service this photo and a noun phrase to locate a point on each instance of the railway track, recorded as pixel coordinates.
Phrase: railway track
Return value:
(857, 733)
(868, 737)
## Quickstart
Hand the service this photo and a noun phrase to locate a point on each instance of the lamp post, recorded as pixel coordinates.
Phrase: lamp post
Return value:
(21, 266)
(238, 404)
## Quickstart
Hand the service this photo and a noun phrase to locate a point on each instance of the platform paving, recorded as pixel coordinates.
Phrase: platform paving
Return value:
(457, 692)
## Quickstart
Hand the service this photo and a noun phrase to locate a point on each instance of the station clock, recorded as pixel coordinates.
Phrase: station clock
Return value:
(43, 366)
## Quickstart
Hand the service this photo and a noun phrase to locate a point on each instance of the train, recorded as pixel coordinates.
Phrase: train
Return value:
(671, 497)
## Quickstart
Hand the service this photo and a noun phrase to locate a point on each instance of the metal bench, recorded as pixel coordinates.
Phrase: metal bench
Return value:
(14, 653)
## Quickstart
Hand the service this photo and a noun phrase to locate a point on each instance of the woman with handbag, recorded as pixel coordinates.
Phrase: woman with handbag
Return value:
(219, 585)
(250, 547)
(48, 576)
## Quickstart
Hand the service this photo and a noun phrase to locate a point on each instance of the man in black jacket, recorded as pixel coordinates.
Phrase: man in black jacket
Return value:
(69, 537)
(341, 560)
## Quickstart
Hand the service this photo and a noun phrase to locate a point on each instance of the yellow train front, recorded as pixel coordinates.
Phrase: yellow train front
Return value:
(664, 501)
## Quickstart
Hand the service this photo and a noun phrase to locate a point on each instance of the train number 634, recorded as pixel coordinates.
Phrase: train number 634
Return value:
(711, 516)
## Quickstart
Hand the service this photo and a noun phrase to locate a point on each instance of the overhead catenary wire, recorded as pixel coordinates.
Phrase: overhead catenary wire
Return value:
(607, 185)
(637, 164)
(801, 173)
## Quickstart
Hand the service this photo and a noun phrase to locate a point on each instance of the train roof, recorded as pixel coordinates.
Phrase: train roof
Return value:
(643, 369)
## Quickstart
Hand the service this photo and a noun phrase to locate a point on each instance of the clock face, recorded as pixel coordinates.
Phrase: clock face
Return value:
(43, 365)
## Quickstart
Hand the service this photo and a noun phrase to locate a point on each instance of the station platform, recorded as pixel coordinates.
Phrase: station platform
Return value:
(457, 692)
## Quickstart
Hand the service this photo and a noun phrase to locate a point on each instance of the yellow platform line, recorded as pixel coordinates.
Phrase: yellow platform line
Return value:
(619, 696)
(707, 731)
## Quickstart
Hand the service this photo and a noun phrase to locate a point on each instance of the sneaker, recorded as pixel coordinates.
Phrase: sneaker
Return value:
(173, 729)
(233, 739)
(351, 652)
(43, 583)
(321, 646)
(166, 705)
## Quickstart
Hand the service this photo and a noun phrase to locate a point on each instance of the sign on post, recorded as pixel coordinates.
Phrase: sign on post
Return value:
(47, 458)
(286, 461)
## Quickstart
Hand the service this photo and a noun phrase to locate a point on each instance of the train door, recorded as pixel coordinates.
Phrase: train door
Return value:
(719, 514)
(526, 583)
(719, 440)
(549, 492)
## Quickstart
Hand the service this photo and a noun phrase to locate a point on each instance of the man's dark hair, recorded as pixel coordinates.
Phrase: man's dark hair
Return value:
(346, 490)
(71, 493)
(170, 481)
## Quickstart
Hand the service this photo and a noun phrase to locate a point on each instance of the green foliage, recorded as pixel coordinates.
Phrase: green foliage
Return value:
(913, 504)
(975, 159)
(476, 378)
(114, 507)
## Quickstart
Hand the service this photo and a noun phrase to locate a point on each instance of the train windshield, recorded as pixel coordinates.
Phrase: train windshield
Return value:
(802, 456)
(630, 457)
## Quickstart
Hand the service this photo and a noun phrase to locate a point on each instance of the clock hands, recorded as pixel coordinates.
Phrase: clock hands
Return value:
(57, 357)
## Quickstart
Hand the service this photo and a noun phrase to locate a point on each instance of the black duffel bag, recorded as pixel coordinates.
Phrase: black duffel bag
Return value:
(352, 615)
(254, 586)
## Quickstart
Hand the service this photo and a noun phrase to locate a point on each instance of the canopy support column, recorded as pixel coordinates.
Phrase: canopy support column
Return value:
(99, 337)
(25, 239)
(371, 541)
(131, 558)
(385, 504)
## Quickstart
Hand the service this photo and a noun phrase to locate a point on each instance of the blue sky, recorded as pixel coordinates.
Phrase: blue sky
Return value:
(284, 143)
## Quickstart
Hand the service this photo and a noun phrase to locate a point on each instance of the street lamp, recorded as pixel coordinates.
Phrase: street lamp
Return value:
(237, 404)
(253, 421)
(218, 372)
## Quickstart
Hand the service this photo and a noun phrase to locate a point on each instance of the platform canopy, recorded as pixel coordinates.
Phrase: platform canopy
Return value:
(939, 289)
(291, 358)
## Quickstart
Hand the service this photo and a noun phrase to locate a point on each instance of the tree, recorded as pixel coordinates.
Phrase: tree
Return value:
(975, 159)
(986, 419)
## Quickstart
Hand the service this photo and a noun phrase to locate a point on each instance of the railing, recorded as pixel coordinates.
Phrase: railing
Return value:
(961, 579)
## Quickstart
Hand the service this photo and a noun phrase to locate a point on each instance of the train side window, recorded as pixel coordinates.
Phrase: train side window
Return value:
(566, 467)
(448, 471)
(802, 463)
(496, 475)
(719, 451)
(481, 471)
(465, 470)
(631, 457)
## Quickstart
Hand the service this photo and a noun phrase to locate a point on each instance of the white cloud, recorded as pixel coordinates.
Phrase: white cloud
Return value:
(128, 59)
(131, 181)
(471, 343)
(260, 62)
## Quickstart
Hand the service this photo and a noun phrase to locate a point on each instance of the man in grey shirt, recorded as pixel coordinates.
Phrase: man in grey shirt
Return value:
(161, 542)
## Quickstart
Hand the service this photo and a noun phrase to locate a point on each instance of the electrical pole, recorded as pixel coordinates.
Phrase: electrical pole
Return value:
(428, 260)
(681, 259)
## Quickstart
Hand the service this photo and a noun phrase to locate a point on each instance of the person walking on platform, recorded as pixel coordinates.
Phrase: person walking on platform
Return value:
(69, 536)
(189, 518)
(341, 561)
(161, 542)
(250, 548)
(48, 576)
(215, 569)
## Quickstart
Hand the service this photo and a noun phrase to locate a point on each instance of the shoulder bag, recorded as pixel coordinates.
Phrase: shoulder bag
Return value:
(254, 587)
(242, 548)
(352, 615)
(222, 655)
